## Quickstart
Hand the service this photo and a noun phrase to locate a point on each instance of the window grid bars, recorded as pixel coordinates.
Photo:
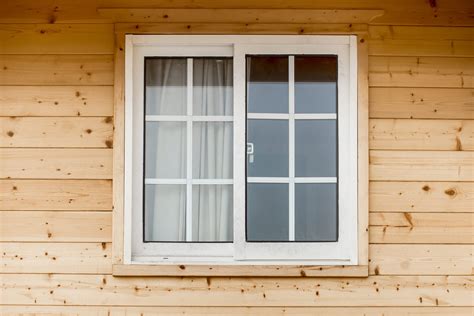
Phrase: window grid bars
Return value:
(291, 159)
(189, 151)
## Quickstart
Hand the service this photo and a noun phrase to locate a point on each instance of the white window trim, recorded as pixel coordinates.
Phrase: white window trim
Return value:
(343, 252)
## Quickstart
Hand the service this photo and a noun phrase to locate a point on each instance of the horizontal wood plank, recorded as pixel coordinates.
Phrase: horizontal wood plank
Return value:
(407, 134)
(22, 163)
(55, 226)
(166, 15)
(421, 166)
(56, 258)
(396, 47)
(421, 260)
(231, 311)
(56, 39)
(100, 290)
(298, 271)
(56, 69)
(240, 28)
(421, 228)
(439, 72)
(421, 103)
(56, 101)
(395, 196)
(56, 132)
(39, 195)
(402, 32)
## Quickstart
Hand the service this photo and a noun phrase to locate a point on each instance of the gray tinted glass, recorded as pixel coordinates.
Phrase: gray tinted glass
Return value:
(165, 212)
(315, 212)
(267, 84)
(315, 148)
(315, 84)
(170, 160)
(270, 143)
(267, 212)
(212, 212)
(212, 86)
(165, 86)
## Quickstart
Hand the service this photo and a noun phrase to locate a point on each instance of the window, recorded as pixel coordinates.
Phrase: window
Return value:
(241, 150)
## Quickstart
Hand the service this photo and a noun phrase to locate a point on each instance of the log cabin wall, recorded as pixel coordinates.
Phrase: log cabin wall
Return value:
(56, 140)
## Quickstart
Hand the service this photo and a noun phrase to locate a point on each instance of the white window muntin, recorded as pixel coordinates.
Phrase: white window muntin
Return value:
(240, 252)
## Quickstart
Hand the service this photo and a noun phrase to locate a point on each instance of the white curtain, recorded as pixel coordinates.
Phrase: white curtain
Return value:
(166, 155)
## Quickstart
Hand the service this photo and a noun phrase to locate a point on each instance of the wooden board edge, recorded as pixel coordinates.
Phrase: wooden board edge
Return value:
(118, 150)
(363, 148)
(142, 270)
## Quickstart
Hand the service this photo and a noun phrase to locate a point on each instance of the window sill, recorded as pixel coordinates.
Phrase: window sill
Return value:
(124, 270)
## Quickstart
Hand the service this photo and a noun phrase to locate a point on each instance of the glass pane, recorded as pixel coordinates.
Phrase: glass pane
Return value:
(315, 148)
(212, 87)
(267, 84)
(270, 145)
(212, 213)
(315, 84)
(267, 212)
(212, 150)
(316, 212)
(165, 86)
(165, 150)
(165, 212)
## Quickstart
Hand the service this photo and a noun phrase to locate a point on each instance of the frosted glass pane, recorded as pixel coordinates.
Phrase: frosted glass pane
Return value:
(165, 86)
(315, 84)
(270, 141)
(165, 150)
(165, 212)
(315, 148)
(212, 150)
(316, 212)
(267, 84)
(212, 213)
(267, 212)
(212, 86)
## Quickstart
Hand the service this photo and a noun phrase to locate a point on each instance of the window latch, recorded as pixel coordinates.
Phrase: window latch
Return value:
(250, 151)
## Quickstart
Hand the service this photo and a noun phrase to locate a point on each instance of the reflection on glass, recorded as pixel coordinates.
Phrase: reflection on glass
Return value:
(315, 84)
(212, 86)
(212, 213)
(165, 86)
(165, 150)
(267, 84)
(270, 144)
(212, 150)
(267, 212)
(165, 212)
(315, 148)
(315, 212)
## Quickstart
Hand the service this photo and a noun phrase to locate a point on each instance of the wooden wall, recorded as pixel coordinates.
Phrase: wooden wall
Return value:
(56, 127)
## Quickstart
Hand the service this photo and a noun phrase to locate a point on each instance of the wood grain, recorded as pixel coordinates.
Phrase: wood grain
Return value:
(27, 226)
(439, 72)
(105, 290)
(81, 132)
(421, 228)
(56, 101)
(394, 196)
(22, 163)
(421, 103)
(56, 70)
(48, 257)
(39, 195)
(421, 166)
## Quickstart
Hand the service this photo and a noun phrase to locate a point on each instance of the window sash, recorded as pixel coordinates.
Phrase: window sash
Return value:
(343, 252)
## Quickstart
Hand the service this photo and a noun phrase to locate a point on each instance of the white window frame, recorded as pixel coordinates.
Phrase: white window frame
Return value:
(342, 252)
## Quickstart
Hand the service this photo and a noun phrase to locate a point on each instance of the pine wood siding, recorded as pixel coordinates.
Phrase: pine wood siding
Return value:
(57, 162)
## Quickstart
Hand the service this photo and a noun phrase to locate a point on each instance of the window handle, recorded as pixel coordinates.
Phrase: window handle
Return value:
(250, 152)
